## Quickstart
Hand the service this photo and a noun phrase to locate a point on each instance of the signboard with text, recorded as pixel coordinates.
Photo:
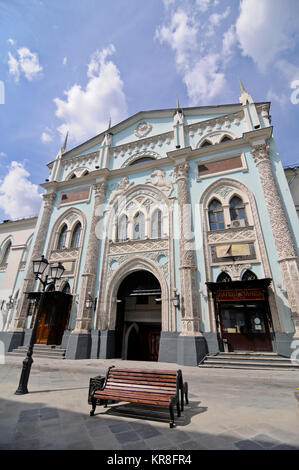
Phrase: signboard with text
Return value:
(233, 295)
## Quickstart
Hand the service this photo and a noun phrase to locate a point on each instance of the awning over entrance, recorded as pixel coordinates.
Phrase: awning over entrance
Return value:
(239, 290)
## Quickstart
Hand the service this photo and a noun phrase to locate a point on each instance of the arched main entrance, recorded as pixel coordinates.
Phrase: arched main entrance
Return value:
(138, 319)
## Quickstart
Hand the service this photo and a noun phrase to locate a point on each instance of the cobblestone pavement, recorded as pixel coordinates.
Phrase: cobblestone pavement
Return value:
(228, 409)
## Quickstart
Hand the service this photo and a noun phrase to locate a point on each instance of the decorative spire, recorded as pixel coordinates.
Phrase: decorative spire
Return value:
(177, 103)
(63, 148)
(109, 125)
(242, 88)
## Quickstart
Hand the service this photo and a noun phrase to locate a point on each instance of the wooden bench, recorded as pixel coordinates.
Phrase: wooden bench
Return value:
(146, 386)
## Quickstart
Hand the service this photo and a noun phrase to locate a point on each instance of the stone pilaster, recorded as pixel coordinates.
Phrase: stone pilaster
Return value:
(91, 261)
(37, 251)
(189, 291)
(287, 255)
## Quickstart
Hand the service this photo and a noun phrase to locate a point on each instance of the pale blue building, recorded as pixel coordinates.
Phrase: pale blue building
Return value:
(178, 235)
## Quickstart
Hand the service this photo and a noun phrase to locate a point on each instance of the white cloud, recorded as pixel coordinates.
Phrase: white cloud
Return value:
(3, 154)
(27, 64)
(205, 80)
(229, 41)
(215, 19)
(281, 99)
(46, 137)
(64, 62)
(11, 41)
(203, 5)
(201, 69)
(85, 112)
(18, 196)
(267, 28)
(13, 65)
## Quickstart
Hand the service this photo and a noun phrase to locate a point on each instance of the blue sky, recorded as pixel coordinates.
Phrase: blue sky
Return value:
(70, 65)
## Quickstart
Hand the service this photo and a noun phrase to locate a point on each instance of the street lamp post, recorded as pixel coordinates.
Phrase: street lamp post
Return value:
(39, 267)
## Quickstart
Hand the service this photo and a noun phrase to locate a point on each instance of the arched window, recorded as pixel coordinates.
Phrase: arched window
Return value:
(76, 235)
(4, 259)
(141, 160)
(216, 215)
(156, 224)
(62, 238)
(224, 277)
(139, 226)
(225, 138)
(249, 276)
(86, 172)
(237, 211)
(206, 143)
(66, 288)
(123, 228)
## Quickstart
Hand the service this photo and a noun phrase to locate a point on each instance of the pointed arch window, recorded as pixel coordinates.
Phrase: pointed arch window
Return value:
(249, 276)
(66, 288)
(225, 138)
(62, 238)
(123, 228)
(4, 259)
(206, 143)
(156, 224)
(139, 226)
(237, 210)
(76, 235)
(216, 215)
(224, 277)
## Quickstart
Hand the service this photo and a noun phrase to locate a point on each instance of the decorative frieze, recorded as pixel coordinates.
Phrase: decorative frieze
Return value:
(135, 246)
(231, 235)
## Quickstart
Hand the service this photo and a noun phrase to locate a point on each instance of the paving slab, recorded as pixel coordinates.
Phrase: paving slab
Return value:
(228, 410)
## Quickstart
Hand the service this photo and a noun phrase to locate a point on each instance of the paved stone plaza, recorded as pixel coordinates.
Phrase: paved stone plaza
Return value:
(228, 409)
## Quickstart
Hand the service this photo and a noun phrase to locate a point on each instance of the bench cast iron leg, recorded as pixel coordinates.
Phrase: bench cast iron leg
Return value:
(178, 409)
(186, 392)
(171, 423)
(93, 403)
(105, 403)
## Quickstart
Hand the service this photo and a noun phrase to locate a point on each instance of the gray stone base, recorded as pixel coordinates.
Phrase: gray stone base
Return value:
(168, 349)
(65, 339)
(12, 339)
(212, 343)
(107, 344)
(78, 346)
(191, 350)
(95, 344)
(27, 336)
(282, 344)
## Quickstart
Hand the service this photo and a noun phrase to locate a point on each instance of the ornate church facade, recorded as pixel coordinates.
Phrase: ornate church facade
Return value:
(178, 234)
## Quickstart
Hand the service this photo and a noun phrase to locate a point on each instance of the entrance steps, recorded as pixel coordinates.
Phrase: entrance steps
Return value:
(249, 360)
(40, 350)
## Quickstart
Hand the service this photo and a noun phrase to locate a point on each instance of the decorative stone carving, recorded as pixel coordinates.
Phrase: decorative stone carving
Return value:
(224, 190)
(232, 235)
(142, 129)
(122, 186)
(157, 178)
(287, 255)
(181, 170)
(135, 246)
(234, 270)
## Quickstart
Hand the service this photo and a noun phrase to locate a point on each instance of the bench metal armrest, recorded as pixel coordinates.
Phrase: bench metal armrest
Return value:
(95, 383)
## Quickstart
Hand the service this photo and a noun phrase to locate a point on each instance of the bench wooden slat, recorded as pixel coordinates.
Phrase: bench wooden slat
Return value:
(147, 386)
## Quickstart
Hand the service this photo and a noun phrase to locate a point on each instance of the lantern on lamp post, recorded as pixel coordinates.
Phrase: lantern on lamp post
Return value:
(56, 271)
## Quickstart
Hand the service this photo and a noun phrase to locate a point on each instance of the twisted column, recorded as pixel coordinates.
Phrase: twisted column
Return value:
(37, 250)
(285, 246)
(91, 261)
(189, 292)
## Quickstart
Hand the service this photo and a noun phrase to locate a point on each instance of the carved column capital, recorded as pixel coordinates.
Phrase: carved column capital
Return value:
(49, 199)
(260, 152)
(181, 170)
(100, 189)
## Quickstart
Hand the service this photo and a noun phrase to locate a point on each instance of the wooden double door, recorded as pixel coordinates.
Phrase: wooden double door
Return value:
(143, 345)
(245, 327)
(53, 318)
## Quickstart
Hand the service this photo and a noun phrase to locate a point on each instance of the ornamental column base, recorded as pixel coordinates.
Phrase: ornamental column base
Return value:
(79, 345)
(191, 350)
(190, 326)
